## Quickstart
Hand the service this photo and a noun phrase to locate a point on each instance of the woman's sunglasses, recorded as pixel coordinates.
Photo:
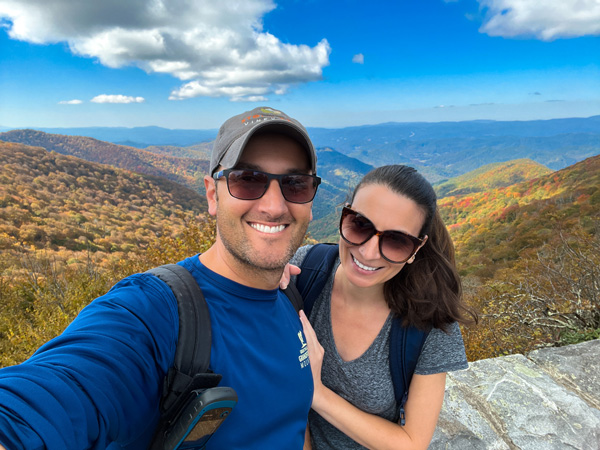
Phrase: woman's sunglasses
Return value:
(394, 246)
(246, 184)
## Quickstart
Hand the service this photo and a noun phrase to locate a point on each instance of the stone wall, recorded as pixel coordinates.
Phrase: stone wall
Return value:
(548, 399)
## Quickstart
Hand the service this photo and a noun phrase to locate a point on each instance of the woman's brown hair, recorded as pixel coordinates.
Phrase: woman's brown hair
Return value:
(427, 292)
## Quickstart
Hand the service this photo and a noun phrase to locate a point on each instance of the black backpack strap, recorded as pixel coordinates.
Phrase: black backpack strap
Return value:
(406, 344)
(192, 355)
(294, 295)
(316, 268)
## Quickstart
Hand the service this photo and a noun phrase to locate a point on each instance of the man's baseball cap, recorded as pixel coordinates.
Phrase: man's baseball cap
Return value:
(235, 133)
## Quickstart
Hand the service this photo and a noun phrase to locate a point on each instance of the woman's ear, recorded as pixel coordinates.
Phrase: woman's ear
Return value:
(412, 258)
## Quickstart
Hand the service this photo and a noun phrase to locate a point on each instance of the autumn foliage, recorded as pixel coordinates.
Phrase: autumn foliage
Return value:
(528, 252)
(69, 229)
(529, 256)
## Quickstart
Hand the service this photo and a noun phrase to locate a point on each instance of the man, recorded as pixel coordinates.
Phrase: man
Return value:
(98, 385)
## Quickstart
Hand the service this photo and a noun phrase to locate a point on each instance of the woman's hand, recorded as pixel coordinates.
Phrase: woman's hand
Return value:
(288, 271)
(315, 353)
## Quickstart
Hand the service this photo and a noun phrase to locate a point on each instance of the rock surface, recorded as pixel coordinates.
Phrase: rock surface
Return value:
(548, 399)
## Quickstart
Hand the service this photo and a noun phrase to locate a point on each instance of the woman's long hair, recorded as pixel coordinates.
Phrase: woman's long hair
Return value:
(427, 292)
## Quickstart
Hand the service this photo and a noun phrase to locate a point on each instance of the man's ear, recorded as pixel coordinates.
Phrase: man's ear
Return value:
(210, 184)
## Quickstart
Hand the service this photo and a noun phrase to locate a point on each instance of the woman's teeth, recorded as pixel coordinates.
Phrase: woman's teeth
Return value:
(362, 266)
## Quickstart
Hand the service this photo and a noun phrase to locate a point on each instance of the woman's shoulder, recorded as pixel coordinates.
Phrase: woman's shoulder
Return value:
(443, 351)
(300, 254)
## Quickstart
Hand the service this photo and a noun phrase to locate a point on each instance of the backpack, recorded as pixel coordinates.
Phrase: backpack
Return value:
(405, 342)
(190, 369)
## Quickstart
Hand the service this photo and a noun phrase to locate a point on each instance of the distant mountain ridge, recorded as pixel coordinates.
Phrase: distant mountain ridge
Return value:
(140, 137)
(323, 137)
(358, 149)
(440, 150)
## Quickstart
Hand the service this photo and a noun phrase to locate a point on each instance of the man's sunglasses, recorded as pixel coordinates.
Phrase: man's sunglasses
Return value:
(394, 246)
(246, 184)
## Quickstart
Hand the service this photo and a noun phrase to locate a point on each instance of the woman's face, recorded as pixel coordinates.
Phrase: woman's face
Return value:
(363, 264)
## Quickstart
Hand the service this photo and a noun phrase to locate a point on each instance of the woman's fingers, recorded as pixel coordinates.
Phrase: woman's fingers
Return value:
(288, 271)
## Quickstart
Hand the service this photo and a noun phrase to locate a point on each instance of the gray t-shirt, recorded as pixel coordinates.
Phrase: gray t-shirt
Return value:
(366, 381)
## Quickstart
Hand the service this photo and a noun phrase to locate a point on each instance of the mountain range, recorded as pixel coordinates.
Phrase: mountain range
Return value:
(494, 213)
(440, 150)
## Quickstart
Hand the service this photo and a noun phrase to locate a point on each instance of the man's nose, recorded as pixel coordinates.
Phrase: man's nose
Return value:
(273, 201)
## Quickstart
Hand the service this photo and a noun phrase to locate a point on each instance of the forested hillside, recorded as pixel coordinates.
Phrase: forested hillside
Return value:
(491, 228)
(198, 151)
(189, 165)
(186, 171)
(51, 201)
(70, 228)
(339, 174)
(529, 255)
(491, 176)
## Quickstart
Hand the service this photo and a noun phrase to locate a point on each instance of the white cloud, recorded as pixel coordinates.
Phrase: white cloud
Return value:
(546, 20)
(358, 59)
(251, 98)
(116, 99)
(70, 102)
(215, 47)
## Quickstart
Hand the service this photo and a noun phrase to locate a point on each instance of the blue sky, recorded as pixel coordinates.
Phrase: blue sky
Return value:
(193, 63)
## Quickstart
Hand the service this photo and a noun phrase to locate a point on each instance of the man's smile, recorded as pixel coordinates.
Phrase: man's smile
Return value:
(267, 229)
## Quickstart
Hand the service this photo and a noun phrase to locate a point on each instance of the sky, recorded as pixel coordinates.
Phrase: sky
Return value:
(191, 64)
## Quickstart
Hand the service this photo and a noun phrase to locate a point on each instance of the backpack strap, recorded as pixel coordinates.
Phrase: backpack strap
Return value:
(316, 268)
(406, 344)
(294, 295)
(190, 368)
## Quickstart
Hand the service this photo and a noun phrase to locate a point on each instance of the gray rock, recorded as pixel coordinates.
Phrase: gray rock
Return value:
(512, 402)
(463, 422)
(577, 367)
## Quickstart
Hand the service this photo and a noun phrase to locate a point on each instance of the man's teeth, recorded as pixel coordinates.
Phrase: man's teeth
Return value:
(362, 266)
(267, 229)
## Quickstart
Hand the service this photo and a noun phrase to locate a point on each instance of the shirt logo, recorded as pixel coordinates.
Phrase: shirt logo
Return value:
(303, 358)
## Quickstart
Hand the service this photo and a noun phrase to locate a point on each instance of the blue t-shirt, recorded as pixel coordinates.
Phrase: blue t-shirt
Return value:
(98, 384)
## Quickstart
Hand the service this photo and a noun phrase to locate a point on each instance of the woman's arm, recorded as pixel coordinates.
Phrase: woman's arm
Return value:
(422, 408)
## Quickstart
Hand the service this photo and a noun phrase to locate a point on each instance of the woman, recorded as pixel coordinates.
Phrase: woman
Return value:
(396, 258)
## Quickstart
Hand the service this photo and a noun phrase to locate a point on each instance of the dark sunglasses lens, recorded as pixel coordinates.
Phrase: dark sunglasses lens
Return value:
(356, 229)
(247, 184)
(396, 246)
(298, 188)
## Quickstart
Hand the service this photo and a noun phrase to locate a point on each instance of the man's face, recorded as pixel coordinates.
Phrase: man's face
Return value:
(263, 233)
